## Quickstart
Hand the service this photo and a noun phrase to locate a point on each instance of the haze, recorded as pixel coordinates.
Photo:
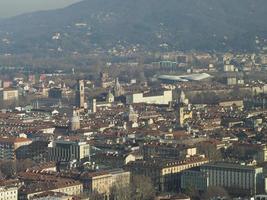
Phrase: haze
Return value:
(10, 8)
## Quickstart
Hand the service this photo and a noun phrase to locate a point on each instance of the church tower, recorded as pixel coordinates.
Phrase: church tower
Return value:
(79, 98)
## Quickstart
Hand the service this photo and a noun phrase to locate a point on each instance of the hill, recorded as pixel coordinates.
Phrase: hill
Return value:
(176, 24)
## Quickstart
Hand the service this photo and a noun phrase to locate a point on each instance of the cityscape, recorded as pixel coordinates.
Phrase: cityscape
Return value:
(130, 121)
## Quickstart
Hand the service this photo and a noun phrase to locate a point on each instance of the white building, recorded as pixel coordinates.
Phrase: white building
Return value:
(10, 193)
(162, 99)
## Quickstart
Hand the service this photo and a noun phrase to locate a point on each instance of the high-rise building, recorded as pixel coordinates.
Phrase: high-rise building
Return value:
(79, 99)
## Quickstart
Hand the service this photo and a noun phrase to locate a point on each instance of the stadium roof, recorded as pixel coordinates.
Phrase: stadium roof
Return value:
(184, 78)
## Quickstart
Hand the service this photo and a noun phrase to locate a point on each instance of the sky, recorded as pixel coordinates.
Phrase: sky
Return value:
(9, 8)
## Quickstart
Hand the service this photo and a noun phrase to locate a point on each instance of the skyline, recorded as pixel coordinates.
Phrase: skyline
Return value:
(10, 8)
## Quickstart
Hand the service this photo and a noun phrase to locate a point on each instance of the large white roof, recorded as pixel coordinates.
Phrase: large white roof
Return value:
(183, 78)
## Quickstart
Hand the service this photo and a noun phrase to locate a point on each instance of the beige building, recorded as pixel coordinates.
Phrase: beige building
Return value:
(9, 94)
(8, 193)
(184, 114)
(36, 184)
(103, 181)
(227, 104)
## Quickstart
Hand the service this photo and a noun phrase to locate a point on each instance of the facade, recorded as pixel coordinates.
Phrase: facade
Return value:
(67, 151)
(118, 89)
(9, 94)
(75, 121)
(133, 115)
(154, 150)
(105, 80)
(228, 104)
(163, 99)
(8, 147)
(173, 197)
(36, 151)
(164, 175)
(102, 182)
(79, 98)
(8, 193)
(55, 93)
(184, 114)
(52, 196)
(237, 179)
(68, 188)
(196, 179)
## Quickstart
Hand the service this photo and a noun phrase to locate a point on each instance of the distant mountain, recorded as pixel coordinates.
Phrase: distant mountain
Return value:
(153, 24)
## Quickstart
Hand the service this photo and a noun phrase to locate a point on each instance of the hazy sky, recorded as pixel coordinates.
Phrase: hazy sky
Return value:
(14, 7)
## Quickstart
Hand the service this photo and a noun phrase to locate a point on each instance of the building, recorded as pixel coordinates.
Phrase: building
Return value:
(132, 115)
(103, 181)
(38, 183)
(118, 89)
(79, 96)
(68, 150)
(168, 65)
(8, 193)
(36, 151)
(110, 97)
(232, 103)
(229, 68)
(92, 105)
(195, 179)
(164, 98)
(183, 114)
(173, 197)
(170, 151)
(52, 196)
(237, 179)
(55, 93)
(9, 94)
(184, 78)
(165, 175)
(75, 121)
(105, 80)
(8, 147)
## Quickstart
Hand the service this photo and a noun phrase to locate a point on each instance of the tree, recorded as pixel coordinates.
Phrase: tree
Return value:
(142, 188)
(2, 175)
(191, 191)
(210, 151)
(96, 196)
(8, 168)
(120, 190)
(215, 191)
